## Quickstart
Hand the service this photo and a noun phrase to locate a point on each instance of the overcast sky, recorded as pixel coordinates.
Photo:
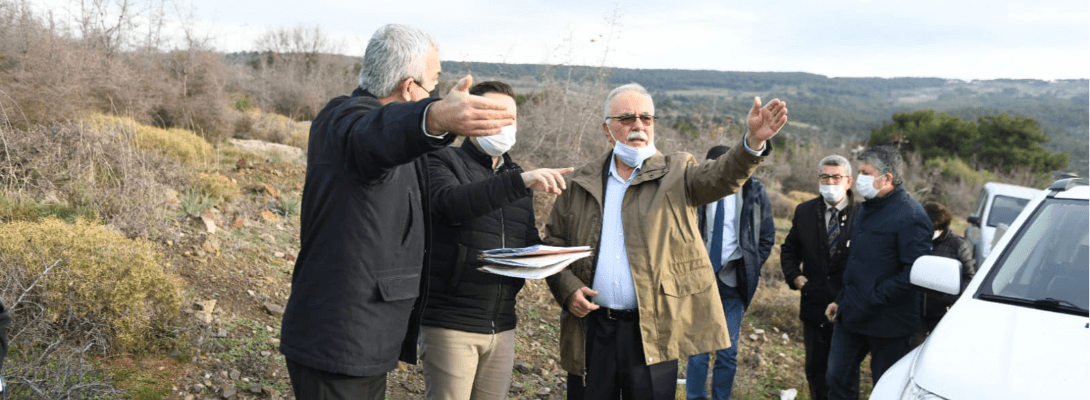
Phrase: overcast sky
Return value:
(973, 39)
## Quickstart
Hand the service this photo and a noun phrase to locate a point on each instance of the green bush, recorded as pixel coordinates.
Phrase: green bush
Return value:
(954, 168)
(92, 272)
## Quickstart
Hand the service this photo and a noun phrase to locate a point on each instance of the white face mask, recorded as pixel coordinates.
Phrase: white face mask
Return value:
(832, 193)
(496, 145)
(864, 184)
(937, 234)
(632, 156)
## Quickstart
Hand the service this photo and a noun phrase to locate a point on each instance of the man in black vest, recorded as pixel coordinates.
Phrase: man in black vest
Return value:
(360, 279)
(812, 257)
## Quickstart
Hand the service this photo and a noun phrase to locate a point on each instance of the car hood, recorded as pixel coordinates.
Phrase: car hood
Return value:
(987, 350)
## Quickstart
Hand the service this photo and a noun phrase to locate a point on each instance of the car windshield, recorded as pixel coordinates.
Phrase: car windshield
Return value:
(1046, 263)
(1005, 209)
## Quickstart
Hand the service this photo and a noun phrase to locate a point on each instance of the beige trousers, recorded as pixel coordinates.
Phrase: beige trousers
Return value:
(462, 365)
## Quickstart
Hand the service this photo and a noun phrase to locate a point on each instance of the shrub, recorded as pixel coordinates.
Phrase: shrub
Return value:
(955, 168)
(271, 127)
(93, 275)
(16, 208)
(71, 167)
(217, 187)
(178, 144)
(289, 205)
(194, 202)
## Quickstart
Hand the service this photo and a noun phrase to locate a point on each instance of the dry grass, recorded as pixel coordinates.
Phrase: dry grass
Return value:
(253, 123)
(102, 173)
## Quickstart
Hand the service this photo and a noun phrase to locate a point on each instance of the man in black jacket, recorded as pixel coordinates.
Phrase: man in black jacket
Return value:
(812, 258)
(359, 276)
(877, 309)
(480, 200)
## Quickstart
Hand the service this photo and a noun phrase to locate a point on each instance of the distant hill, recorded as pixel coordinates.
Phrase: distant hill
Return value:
(834, 111)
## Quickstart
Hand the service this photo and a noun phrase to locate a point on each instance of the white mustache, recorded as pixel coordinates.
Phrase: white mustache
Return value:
(636, 135)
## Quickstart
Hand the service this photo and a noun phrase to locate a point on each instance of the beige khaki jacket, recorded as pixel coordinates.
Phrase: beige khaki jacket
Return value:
(679, 306)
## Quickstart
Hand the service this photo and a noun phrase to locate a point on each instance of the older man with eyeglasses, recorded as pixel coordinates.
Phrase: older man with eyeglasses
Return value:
(360, 279)
(647, 297)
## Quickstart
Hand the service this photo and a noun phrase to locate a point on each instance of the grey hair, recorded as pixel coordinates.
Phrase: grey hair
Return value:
(394, 53)
(887, 160)
(836, 161)
(631, 87)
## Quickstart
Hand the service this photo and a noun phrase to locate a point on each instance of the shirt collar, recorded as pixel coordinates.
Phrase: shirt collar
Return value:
(616, 175)
(839, 206)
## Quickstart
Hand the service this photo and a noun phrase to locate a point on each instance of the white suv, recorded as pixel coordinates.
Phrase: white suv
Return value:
(1021, 330)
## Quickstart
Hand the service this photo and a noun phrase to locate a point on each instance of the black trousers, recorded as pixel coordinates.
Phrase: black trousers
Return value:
(817, 338)
(615, 365)
(308, 383)
(848, 351)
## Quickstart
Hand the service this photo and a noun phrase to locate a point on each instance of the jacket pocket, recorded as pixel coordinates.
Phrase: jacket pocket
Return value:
(401, 287)
(699, 281)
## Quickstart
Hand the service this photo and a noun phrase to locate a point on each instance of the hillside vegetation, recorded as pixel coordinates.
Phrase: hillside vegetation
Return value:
(150, 196)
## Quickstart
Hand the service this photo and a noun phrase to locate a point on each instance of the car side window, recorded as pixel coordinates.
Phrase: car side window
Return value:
(979, 208)
(1005, 209)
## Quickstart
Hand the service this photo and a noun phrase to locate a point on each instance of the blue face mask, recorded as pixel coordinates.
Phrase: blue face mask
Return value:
(632, 156)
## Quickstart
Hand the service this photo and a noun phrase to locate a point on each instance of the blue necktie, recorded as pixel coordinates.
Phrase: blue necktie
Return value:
(717, 237)
(834, 232)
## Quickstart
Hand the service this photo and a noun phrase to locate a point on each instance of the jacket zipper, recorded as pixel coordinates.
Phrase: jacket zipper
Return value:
(499, 284)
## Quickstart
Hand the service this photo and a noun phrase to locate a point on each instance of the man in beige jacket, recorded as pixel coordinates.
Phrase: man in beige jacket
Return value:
(653, 298)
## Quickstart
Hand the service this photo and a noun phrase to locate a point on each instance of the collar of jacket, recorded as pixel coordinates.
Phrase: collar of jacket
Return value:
(485, 160)
(593, 179)
(878, 202)
(360, 92)
(942, 238)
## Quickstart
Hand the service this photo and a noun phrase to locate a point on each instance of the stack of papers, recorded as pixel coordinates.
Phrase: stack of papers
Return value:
(534, 262)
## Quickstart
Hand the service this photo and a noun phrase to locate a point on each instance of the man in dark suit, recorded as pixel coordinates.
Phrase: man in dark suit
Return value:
(360, 279)
(877, 310)
(812, 257)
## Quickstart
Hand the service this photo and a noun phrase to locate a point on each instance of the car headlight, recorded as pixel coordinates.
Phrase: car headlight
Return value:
(913, 391)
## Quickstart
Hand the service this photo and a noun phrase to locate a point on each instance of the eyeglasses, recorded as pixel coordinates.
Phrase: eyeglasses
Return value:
(830, 178)
(627, 119)
(418, 84)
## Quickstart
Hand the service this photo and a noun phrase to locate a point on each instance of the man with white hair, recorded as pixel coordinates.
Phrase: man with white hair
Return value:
(361, 274)
(653, 298)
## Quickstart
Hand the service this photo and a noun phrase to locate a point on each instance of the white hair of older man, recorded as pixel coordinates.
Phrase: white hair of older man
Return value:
(631, 87)
(394, 53)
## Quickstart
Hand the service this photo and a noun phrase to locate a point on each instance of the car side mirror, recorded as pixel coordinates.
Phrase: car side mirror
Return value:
(974, 220)
(937, 273)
